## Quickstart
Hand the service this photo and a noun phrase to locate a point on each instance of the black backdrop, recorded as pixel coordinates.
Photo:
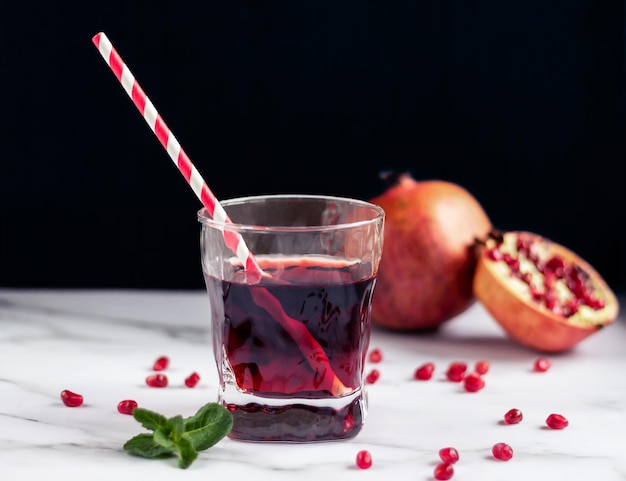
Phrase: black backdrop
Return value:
(520, 102)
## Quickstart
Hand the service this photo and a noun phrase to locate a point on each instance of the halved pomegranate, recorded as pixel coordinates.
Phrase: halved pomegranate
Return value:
(543, 294)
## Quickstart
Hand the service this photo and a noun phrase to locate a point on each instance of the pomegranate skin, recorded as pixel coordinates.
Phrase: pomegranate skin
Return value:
(527, 321)
(429, 257)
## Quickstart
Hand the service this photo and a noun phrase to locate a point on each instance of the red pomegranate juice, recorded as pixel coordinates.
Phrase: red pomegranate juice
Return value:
(290, 349)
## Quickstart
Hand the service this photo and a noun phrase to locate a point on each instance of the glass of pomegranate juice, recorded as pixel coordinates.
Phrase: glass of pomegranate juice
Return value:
(290, 338)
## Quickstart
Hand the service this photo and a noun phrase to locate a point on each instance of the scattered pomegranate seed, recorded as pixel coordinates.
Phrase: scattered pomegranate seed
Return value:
(513, 416)
(456, 371)
(156, 380)
(127, 406)
(71, 399)
(443, 471)
(449, 455)
(502, 451)
(542, 364)
(482, 367)
(557, 421)
(192, 379)
(375, 356)
(373, 376)
(473, 382)
(424, 372)
(161, 363)
(364, 459)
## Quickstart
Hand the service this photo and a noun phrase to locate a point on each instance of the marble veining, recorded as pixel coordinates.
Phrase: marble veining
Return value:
(102, 343)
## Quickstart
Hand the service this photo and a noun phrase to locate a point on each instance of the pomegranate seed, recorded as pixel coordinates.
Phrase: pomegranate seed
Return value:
(156, 380)
(424, 372)
(513, 416)
(449, 455)
(456, 371)
(473, 382)
(127, 406)
(71, 399)
(192, 379)
(364, 459)
(542, 364)
(161, 363)
(443, 471)
(502, 451)
(482, 367)
(375, 356)
(373, 376)
(557, 421)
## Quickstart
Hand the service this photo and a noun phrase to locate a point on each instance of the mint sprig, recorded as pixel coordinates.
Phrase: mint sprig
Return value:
(178, 436)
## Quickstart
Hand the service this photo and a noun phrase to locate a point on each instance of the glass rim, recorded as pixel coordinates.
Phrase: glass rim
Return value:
(205, 219)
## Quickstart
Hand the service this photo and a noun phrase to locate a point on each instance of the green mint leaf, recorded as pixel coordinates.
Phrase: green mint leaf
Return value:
(164, 438)
(183, 437)
(149, 419)
(186, 453)
(208, 426)
(176, 425)
(144, 445)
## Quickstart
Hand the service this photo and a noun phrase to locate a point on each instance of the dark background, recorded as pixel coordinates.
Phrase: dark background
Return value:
(520, 102)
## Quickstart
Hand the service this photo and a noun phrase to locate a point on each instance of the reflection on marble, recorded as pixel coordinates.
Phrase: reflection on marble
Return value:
(102, 345)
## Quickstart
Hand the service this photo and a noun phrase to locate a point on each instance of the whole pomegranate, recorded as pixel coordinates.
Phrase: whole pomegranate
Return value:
(429, 256)
(544, 295)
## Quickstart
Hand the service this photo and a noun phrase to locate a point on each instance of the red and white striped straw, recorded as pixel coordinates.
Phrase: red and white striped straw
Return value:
(233, 240)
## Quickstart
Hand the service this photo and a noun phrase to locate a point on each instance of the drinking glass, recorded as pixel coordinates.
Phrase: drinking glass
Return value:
(290, 344)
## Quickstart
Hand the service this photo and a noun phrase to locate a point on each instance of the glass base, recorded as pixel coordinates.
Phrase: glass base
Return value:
(294, 420)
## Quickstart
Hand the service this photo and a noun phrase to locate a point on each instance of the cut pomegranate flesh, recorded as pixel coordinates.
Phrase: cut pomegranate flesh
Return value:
(548, 276)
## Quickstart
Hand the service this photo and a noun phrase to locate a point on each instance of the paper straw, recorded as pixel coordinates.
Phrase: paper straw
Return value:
(233, 240)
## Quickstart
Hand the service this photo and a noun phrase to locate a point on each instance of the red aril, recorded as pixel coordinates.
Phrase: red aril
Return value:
(161, 363)
(127, 406)
(456, 371)
(443, 471)
(373, 376)
(482, 367)
(557, 421)
(157, 380)
(424, 372)
(513, 416)
(541, 364)
(375, 356)
(425, 275)
(502, 451)
(449, 455)
(364, 459)
(71, 399)
(192, 379)
(473, 382)
(542, 294)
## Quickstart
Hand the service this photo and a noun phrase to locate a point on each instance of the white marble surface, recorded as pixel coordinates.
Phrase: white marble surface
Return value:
(102, 344)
